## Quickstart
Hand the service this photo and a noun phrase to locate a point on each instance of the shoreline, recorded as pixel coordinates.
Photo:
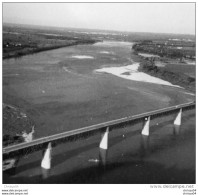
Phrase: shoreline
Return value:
(147, 65)
(184, 81)
(19, 54)
(131, 72)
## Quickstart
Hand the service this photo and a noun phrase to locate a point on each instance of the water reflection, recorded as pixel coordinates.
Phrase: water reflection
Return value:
(45, 173)
(144, 145)
(10, 165)
(103, 157)
(176, 130)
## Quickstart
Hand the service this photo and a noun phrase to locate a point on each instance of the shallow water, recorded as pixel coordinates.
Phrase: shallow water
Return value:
(61, 93)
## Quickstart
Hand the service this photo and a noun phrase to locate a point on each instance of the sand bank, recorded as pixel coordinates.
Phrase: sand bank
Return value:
(82, 57)
(131, 72)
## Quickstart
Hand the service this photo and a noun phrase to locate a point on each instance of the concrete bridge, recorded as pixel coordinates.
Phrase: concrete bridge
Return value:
(46, 144)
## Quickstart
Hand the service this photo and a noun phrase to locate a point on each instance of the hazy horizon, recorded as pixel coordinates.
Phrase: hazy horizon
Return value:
(168, 18)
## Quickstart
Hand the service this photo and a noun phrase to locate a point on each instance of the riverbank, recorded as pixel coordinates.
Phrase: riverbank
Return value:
(16, 125)
(171, 69)
(19, 40)
(131, 72)
(31, 50)
(175, 78)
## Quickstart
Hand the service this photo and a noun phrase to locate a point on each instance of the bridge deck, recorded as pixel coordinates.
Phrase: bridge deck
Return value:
(39, 144)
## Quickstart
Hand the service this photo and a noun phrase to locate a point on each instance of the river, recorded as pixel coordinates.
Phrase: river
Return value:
(61, 90)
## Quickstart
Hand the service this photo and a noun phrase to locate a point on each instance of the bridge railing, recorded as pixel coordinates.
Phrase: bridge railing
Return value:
(47, 143)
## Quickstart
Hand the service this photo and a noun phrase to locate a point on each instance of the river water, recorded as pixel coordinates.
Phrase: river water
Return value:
(61, 90)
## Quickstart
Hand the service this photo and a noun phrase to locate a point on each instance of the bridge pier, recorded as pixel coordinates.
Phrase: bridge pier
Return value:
(104, 140)
(11, 152)
(145, 130)
(103, 147)
(177, 120)
(46, 161)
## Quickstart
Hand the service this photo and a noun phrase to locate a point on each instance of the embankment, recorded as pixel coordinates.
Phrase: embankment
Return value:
(180, 79)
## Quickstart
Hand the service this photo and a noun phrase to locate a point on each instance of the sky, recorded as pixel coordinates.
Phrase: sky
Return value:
(135, 17)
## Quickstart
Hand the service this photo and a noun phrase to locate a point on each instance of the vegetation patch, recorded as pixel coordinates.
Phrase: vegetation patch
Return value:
(15, 124)
(181, 79)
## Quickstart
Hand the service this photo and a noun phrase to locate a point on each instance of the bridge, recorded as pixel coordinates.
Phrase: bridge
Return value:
(46, 144)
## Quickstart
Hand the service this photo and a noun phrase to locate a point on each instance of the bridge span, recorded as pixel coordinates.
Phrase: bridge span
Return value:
(46, 144)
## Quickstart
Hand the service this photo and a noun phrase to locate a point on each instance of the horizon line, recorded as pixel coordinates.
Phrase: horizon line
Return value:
(26, 24)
